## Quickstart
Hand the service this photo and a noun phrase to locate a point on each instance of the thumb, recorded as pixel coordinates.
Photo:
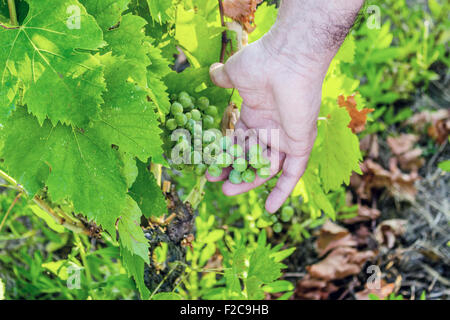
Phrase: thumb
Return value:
(220, 76)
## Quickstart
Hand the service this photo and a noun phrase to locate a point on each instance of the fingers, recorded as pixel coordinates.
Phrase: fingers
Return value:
(293, 169)
(220, 76)
(230, 189)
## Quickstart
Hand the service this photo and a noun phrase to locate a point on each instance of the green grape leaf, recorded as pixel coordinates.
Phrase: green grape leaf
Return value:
(130, 232)
(128, 40)
(44, 59)
(106, 12)
(339, 154)
(312, 193)
(158, 68)
(129, 168)
(127, 119)
(188, 80)
(157, 91)
(263, 267)
(135, 268)
(146, 192)
(161, 10)
(200, 40)
(265, 17)
(75, 165)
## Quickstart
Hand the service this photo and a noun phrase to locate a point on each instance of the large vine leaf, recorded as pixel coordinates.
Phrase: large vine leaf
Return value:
(127, 120)
(43, 57)
(200, 40)
(134, 265)
(130, 232)
(158, 68)
(75, 165)
(129, 41)
(309, 187)
(339, 154)
(161, 10)
(106, 12)
(146, 192)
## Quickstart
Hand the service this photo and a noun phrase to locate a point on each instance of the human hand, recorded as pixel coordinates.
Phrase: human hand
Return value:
(277, 94)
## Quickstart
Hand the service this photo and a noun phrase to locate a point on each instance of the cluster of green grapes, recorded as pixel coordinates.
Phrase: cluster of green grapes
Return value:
(186, 111)
(246, 165)
(284, 215)
(205, 148)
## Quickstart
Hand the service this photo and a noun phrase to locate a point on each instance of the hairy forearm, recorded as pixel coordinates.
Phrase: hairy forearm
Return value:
(311, 29)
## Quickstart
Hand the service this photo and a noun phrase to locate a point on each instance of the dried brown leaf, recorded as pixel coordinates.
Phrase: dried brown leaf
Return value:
(364, 214)
(359, 117)
(242, 11)
(332, 236)
(340, 263)
(310, 288)
(387, 232)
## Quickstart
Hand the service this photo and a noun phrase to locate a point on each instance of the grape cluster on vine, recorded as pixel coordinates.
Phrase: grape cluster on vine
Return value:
(200, 146)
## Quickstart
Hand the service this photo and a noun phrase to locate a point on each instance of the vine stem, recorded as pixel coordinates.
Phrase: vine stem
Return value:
(9, 210)
(69, 223)
(224, 33)
(12, 12)
(196, 194)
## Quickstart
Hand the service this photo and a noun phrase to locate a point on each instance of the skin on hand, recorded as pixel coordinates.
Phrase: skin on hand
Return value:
(276, 95)
(280, 80)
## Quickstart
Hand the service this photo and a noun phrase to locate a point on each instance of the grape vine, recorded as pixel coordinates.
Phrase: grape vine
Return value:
(89, 104)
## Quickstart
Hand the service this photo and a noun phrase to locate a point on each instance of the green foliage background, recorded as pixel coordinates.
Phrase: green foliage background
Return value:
(69, 95)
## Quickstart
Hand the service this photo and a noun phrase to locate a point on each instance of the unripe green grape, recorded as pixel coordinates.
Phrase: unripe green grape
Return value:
(212, 111)
(203, 103)
(186, 102)
(181, 119)
(208, 137)
(277, 227)
(264, 173)
(255, 151)
(236, 151)
(190, 125)
(225, 142)
(214, 171)
(176, 108)
(200, 169)
(184, 145)
(183, 94)
(248, 176)
(235, 177)
(240, 164)
(208, 122)
(274, 218)
(188, 115)
(287, 213)
(259, 161)
(173, 97)
(224, 160)
(196, 115)
(171, 124)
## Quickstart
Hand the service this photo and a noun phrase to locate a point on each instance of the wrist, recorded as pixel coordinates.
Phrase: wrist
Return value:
(308, 33)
